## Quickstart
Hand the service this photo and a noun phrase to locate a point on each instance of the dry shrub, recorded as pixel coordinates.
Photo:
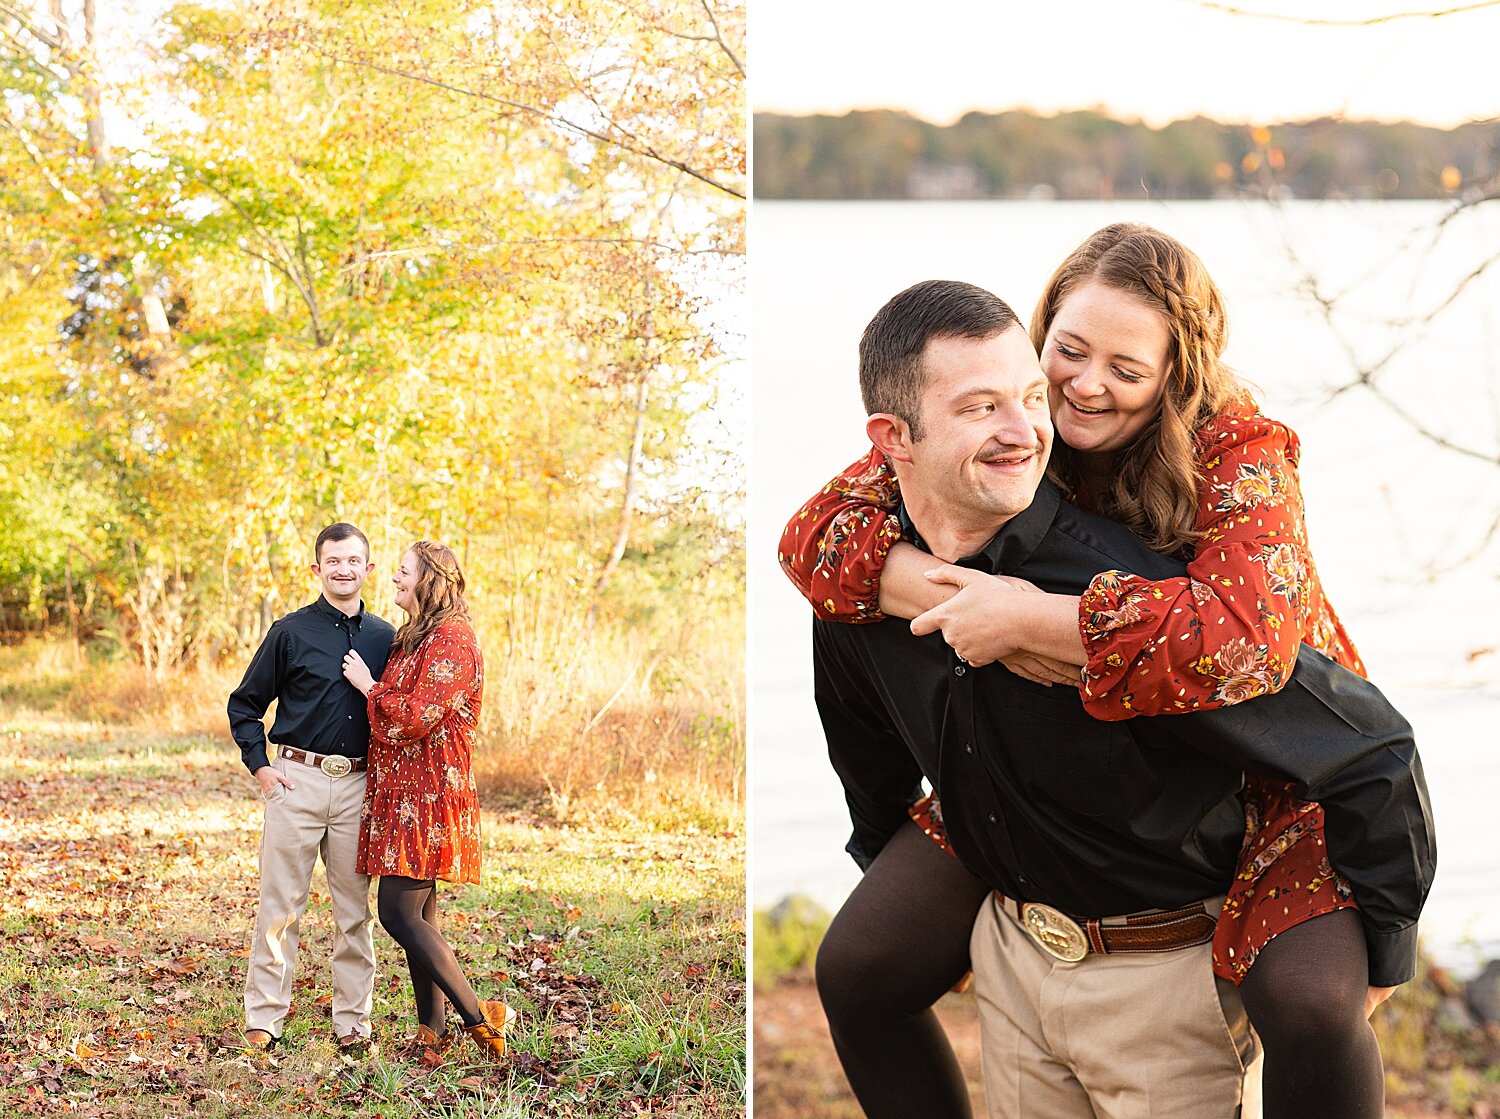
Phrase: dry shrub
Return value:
(582, 719)
(666, 763)
(606, 719)
(54, 676)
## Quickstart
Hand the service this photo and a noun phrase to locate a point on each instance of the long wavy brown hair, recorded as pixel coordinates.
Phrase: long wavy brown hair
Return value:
(1154, 482)
(438, 596)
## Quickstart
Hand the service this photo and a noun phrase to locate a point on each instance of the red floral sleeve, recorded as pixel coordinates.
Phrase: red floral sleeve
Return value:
(835, 546)
(409, 703)
(1230, 629)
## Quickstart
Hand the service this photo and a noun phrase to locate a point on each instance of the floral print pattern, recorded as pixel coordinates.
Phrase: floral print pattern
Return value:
(1240, 671)
(1250, 598)
(421, 813)
(927, 814)
(1255, 485)
(1228, 631)
(835, 547)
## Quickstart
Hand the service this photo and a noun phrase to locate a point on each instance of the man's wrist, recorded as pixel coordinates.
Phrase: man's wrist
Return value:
(1392, 955)
(254, 757)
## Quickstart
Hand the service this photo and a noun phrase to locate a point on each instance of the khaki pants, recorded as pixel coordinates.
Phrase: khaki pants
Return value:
(318, 817)
(1126, 1036)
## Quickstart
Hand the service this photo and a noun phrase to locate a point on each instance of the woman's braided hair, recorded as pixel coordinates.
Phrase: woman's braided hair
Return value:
(438, 596)
(1154, 482)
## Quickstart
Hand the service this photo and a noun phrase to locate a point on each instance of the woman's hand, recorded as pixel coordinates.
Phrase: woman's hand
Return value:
(357, 672)
(986, 622)
(1043, 670)
(1374, 996)
(979, 621)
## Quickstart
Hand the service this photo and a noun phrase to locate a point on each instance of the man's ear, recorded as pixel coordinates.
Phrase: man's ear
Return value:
(891, 434)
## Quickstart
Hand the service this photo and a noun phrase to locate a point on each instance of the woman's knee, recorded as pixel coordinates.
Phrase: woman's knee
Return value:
(1310, 1019)
(846, 970)
(395, 918)
(1309, 989)
(863, 976)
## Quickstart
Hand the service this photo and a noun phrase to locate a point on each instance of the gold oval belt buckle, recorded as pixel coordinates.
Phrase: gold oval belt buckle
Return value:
(335, 765)
(1057, 933)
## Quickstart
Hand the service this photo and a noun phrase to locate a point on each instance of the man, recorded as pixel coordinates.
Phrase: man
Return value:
(1075, 822)
(313, 790)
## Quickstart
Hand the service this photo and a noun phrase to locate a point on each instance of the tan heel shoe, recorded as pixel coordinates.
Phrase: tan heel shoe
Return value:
(430, 1049)
(490, 1034)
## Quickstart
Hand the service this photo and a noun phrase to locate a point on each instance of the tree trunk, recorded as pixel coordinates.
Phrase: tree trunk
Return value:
(627, 503)
(632, 460)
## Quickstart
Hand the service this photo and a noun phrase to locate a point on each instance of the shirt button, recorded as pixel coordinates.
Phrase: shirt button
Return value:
(992, 819)
(959, 671)
(968, 747)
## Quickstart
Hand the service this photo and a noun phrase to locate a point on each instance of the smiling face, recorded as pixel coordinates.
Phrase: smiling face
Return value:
(985, 432)
(1106, 359)
(405, 580)
(341, 569)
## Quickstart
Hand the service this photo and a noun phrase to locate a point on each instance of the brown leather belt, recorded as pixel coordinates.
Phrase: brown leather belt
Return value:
(335, 765)
(1070, 939)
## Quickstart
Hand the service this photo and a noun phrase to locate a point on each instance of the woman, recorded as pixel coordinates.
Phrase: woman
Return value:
(420, 820)
(1154, 432)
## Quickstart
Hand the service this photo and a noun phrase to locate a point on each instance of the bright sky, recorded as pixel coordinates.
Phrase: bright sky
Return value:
(1153, 59)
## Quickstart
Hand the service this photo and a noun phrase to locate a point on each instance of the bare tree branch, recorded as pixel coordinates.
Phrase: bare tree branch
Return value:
(637, 147)
(1365, 374)
(1490, 457)
(500, 242)
(713, 20)
(24, 20)
(717, 37)
(1313, 21)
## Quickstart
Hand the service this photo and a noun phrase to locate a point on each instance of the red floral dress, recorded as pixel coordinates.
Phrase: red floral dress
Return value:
(421, 813)
(1226, 632)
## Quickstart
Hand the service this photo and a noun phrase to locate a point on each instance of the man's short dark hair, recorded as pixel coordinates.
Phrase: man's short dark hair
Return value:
(340, 530)
(891, 375)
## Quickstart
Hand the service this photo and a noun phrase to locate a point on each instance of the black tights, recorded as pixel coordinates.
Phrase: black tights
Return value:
(408, 911)
(1305, 995)
(898, 943)
(902, 939)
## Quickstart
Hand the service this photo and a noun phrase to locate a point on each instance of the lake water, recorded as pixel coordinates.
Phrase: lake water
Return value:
(1402, 529)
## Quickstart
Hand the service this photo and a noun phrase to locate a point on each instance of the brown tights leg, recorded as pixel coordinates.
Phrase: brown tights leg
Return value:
(408, 911)
(1305, 995)
(899, 942)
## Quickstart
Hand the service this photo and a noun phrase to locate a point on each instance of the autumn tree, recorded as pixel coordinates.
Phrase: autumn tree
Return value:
(445, 271)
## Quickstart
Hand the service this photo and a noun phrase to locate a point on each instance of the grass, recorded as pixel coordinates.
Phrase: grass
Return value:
(127, 897)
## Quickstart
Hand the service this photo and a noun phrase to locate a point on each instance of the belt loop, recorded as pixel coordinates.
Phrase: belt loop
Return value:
(1096, 938)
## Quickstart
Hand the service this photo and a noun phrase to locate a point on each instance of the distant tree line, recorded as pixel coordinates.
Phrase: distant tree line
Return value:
(1087, 155)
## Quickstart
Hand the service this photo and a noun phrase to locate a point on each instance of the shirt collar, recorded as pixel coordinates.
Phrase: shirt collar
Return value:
(1014, 544)
(323, 606)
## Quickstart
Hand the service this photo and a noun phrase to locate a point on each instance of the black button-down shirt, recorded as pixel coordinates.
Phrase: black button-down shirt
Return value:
(300, 664)
(1097, 818)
